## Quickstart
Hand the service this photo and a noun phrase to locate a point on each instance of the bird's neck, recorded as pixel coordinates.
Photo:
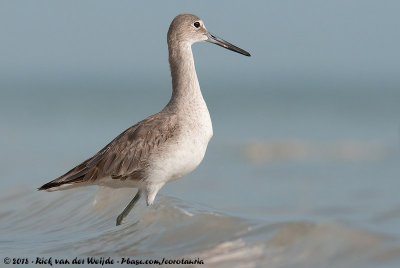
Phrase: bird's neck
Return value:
(185, 85)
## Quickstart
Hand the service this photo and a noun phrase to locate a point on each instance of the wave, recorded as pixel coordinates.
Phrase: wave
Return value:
(74, 223)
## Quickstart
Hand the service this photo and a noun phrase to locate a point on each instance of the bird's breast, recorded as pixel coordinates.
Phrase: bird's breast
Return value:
(185, 151)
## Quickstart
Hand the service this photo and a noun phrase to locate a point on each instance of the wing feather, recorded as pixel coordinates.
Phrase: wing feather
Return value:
(126, 156)
(130, 153)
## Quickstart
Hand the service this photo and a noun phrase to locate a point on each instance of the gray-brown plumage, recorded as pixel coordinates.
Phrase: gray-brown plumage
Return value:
(126, 157)
(165, 146)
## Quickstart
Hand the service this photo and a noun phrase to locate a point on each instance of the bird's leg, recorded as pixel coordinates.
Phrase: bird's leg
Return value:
(128, 208)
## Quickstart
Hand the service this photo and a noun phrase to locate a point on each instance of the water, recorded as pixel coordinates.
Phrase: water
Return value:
(298, 174)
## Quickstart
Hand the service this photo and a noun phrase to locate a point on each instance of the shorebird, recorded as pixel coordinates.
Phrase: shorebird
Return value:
(165, 146)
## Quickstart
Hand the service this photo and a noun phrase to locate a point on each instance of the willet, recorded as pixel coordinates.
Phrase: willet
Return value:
(165, 146)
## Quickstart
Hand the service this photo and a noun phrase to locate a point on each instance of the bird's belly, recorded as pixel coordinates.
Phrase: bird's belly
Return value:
(179, 158)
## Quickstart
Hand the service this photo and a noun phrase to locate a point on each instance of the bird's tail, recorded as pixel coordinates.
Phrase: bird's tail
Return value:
(56, 185)
(78, 176)
(71, 179)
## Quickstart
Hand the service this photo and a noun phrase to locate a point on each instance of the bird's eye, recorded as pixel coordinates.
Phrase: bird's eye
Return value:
(197, 24)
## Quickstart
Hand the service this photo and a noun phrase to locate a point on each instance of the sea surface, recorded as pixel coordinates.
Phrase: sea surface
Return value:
(299, 173)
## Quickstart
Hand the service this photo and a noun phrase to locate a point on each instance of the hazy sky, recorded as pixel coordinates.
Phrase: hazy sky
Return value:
(310, 37)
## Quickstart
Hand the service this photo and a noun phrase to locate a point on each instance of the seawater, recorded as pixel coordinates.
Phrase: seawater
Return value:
(296, 175)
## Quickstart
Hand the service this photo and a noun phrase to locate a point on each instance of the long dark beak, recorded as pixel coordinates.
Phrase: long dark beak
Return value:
(221, 42)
